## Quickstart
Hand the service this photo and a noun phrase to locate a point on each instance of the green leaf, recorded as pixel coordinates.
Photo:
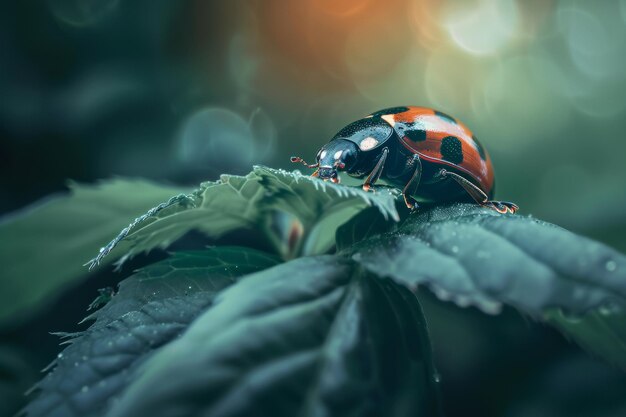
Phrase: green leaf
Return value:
(44, 247)
(601, 331)
(152, 307)
(475, 256)
(215, 209)
(311, 336)
(368, 222)
(296, 213)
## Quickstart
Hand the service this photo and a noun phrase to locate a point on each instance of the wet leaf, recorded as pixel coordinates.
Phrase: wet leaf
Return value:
(186, 337)
(308, 337)
(475, 256)
(152, 307)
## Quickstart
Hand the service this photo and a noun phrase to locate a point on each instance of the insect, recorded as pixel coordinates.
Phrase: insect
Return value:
(426, 153)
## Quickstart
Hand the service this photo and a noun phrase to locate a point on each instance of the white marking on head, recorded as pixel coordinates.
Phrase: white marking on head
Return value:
(323, 154)
(338, 154)
(368, 143)
(389, 119)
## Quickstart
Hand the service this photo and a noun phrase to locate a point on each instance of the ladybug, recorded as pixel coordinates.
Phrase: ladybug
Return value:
(425, 152)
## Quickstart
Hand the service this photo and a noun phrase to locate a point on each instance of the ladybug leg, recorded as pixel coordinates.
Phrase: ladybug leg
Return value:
(411, 187)
(375, 174)
(476, 193)
(479, 196)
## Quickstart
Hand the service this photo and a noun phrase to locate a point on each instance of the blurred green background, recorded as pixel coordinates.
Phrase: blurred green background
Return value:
(182, 91)
(167, 90)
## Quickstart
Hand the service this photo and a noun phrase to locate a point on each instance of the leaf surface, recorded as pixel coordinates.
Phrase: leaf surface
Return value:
(152, 307)
(43, 248)
(295, 212)
(367, 223)
(304, 338)
(475, 256)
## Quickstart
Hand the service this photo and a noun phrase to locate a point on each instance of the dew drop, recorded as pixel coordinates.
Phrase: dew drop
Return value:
(455, 249)
(610, 266)
(85, 388)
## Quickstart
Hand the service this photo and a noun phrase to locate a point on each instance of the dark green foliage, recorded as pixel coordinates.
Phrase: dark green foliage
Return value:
(152, 307)
(296, 213)
(15, 374)
(309, 337)
(42, 249)
(228, 331)
(601, 331)
(473, 256)
(367, 223)
(487, 259)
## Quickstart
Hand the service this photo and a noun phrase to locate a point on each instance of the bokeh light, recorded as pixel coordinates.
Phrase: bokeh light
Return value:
(216, 138)
(482, 26)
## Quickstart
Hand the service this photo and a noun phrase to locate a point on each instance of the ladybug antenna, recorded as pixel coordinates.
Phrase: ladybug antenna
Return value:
(296, 159)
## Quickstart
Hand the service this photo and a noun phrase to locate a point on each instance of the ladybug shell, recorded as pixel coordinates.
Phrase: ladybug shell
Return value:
(441, 139)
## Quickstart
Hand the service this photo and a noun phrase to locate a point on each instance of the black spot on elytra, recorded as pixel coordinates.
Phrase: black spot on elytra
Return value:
(390, 110)
(445, 117)
(451, 150)
(414, 131)
(416, 135)
(479, 148)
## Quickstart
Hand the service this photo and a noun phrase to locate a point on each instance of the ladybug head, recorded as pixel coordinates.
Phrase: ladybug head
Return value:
(336, 156)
